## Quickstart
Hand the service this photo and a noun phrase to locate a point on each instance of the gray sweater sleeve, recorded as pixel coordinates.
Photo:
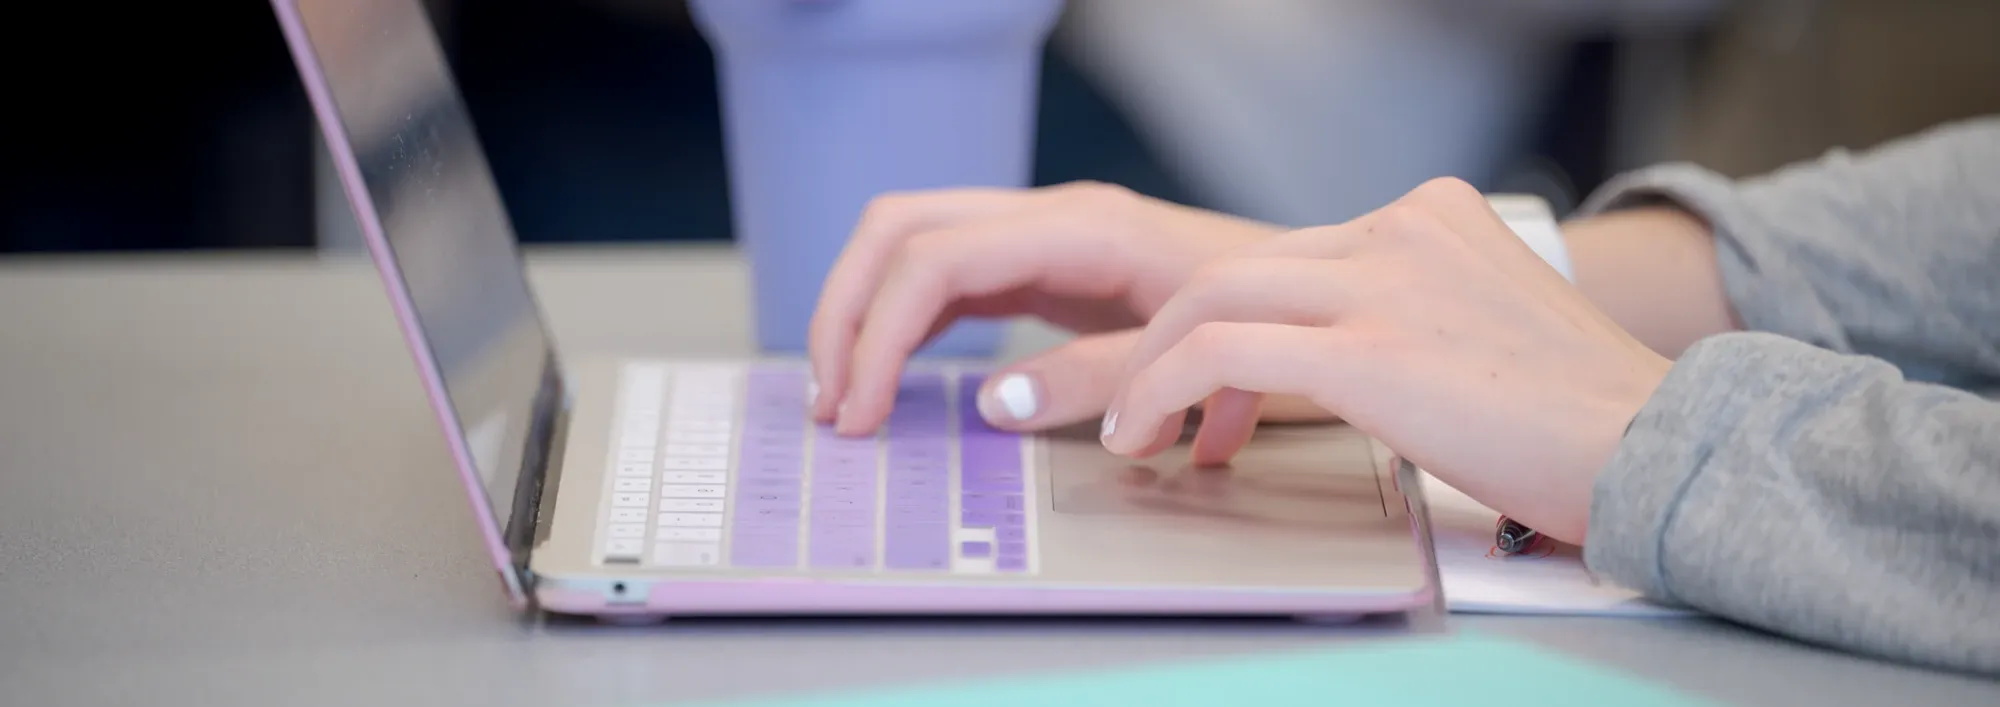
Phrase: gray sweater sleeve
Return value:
(1817, 477)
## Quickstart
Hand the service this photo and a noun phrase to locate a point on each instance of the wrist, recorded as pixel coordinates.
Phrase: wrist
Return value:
(1653, 270)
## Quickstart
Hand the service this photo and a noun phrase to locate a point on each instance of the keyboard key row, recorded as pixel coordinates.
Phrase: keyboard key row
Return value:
(992, 488)
(639, 429)
(890, 495)
(765, 529)
(695, 408)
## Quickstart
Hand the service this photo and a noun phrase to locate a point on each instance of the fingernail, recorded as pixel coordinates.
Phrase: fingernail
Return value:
(841, 424)
(812, 393)
(1110, 426)
(1012, 399)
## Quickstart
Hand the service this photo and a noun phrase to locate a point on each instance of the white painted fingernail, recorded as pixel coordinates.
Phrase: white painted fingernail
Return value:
(1013, 399)
(1110, 425)
(812, 393)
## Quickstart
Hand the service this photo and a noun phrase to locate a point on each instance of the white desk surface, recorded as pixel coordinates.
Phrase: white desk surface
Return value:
(219, 485)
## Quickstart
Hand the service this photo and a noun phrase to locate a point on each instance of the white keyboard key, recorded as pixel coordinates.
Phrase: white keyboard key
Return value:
(629, 500)
(637, 484)
(638, 385)
(698, 426)
(696, 450)
(688, 437)
(697, 420)
(671, 533)
(705, 377)
(691, 505)
(641, 380)
(695, 477)
(648, 442)
(628, 530)
(623, 549)
(637, 369)
(642, 455)
(639, 437)
(644, 469)
(691, 520)
(694, 464)
(628, 515)
(687, 491)
(692, 420)
(687, 554)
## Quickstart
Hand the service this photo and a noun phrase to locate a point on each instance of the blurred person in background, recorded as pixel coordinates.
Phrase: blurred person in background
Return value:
(1313, 111)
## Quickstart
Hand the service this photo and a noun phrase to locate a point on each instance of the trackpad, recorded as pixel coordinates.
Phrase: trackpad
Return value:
(1321, 475)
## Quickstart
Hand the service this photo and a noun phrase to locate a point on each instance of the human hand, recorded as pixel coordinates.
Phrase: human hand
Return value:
(1095, 259)
(1427, 324)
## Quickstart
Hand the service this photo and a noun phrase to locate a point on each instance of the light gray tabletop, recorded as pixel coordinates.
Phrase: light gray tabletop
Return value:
(219, 485)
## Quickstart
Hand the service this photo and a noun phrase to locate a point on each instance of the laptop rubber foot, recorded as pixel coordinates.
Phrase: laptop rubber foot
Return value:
(1330, 619)
(632, 619)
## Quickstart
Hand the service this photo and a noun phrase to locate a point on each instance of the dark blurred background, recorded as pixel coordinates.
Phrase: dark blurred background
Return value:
(183, 126)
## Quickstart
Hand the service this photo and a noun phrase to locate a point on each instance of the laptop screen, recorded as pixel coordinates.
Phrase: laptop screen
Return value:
(436, 222)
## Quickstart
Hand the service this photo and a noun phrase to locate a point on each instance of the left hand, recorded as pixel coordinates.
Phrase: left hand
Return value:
(1427, 324)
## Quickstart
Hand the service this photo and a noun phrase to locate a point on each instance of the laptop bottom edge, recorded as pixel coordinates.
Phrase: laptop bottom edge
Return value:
(601, 596)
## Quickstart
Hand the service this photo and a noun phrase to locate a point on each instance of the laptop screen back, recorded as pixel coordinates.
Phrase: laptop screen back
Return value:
(400, 134)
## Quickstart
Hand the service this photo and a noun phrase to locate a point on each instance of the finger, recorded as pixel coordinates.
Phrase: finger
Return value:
(1295, 291)
(1043, 250)
(1291, 408)
(1063, 386)
(1166, 434)
(883, 227)
(1252, 357)
(1228, 421)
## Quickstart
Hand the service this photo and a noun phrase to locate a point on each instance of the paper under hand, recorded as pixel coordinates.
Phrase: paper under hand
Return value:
(1480, 581)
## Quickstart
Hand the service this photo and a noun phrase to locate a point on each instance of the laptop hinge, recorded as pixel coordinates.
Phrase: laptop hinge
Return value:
(541, 471)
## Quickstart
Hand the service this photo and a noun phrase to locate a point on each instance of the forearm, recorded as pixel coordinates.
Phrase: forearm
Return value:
(1890, 252)
(1653, 270)
(1814, 494)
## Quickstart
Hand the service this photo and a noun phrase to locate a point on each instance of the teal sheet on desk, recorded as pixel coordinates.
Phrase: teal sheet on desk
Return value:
(1447, 670)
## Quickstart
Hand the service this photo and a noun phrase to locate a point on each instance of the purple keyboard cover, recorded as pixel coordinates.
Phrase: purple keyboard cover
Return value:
(900, 483)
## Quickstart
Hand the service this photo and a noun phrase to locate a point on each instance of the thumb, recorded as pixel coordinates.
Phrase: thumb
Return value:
(1063, 386)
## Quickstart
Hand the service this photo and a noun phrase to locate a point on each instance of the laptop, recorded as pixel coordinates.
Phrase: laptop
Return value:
(644, 487)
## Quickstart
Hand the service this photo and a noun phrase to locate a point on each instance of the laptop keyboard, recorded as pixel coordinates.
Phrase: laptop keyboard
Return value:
(719, 466)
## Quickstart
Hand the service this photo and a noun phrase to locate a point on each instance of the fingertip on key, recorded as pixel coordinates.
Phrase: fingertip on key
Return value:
(1107, 433)
(852, 420)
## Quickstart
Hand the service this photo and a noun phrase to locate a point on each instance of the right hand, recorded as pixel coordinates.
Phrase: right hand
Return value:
(1095, 259)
